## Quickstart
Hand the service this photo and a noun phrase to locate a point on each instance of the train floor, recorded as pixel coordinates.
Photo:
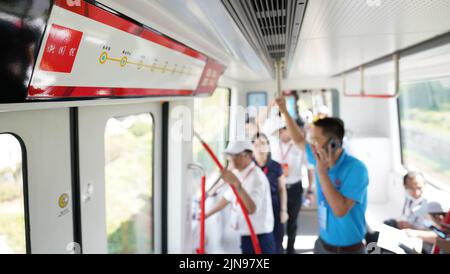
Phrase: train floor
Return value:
(307, 231)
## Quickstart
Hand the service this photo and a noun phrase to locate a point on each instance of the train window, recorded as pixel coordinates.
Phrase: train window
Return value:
(211, 121)
(12, 207)
(425, 127)
(129, 184)
(424, 109)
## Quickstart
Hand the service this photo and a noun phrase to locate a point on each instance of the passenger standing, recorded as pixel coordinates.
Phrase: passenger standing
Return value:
(278, 191)
(341, 181)
(292, 160)
(253, 188)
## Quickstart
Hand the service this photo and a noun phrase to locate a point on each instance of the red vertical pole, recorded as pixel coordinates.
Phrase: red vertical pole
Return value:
(253, 237)
(201, 249)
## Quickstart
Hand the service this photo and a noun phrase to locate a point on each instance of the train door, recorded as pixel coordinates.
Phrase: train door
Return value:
(119, 156)
(36, 188)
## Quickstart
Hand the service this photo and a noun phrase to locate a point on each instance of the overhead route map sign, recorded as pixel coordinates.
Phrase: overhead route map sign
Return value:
(88, 51)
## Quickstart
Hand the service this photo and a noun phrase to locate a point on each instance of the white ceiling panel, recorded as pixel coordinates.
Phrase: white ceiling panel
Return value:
(336, 34)
(341, 34)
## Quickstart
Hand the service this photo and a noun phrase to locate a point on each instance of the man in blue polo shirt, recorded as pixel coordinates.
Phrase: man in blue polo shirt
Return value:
(342, 182)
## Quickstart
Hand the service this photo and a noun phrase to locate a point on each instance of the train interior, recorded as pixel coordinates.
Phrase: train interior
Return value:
(90, 155)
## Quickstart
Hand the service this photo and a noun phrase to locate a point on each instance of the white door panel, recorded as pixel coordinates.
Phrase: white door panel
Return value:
(92, 122)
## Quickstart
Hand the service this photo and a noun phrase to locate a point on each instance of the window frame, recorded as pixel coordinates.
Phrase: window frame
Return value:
(152, 116)
(434, 183)
(400, 133)
(257, 93)
(227, 130)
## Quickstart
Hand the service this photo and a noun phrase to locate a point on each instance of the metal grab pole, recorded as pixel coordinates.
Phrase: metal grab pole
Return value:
(254, 239)
(279, 75)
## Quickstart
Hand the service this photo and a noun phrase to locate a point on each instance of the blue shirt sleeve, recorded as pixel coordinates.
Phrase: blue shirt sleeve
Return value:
(310, 155)
(354, 186)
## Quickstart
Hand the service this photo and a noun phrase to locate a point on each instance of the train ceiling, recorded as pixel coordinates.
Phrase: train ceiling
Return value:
(335, 35)
(339, 35)
(272, 27)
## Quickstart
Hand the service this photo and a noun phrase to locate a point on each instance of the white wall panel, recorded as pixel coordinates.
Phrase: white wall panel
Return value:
(46, 134)
(92, 123)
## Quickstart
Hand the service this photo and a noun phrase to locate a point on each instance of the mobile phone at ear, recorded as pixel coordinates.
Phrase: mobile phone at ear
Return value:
(331, 143)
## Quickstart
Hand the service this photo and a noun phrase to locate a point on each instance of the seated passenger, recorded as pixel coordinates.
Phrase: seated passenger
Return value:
(415, 205)
(274, 173)
(429, 237)
(444, 244)
(253, 188)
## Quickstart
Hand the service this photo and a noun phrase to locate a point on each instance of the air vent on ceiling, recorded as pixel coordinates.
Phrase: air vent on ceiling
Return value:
(272, 27)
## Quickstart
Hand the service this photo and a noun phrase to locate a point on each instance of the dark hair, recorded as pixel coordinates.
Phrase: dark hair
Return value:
(412, 175)
(332, 127)
(250, 120)
(260, 135)
(300, 122)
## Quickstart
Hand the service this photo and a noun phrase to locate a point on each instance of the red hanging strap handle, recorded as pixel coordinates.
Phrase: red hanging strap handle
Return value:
(254, 239)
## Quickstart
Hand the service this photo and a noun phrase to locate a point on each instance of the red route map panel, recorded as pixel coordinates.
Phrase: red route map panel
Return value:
(62, 45)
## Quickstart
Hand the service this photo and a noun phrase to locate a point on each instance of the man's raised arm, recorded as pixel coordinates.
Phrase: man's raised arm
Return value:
(294, 130)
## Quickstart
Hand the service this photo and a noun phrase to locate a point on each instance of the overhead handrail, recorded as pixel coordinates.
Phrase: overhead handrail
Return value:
(363, 94)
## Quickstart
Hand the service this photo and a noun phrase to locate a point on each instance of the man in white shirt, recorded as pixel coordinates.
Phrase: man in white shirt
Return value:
(414, 210)
(253, 188)
(292, 159)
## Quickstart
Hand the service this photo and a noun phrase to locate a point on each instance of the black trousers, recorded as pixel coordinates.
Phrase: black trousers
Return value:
(294, 193)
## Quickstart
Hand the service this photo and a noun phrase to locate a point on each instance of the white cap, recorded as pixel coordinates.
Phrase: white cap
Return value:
(436, 207)
(273, 124)
(324, 110)
(237, 147)
(308, 116)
